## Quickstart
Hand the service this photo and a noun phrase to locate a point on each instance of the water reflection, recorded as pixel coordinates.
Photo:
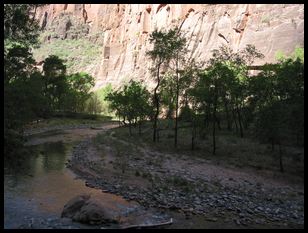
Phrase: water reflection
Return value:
(40, 159)
(53, 160)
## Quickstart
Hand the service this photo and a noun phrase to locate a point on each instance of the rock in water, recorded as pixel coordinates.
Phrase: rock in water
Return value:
(87, 209)
(74, 206)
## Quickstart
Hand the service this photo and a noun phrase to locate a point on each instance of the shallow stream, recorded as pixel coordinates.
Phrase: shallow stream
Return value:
(36, 190)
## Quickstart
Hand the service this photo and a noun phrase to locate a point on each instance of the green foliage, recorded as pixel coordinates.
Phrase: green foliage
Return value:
(80, 85)
(165, 45)
(298, 54)
(131, 103)
(167, 94)
(20, 32)
(279, 97)
(168, 46)
(19, 27)
(94, 105)
(102, 94)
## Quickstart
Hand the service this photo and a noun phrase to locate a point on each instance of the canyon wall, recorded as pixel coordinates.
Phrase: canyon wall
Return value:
(122, 31)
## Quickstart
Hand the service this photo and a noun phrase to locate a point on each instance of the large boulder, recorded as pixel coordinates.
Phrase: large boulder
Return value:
(87, 209)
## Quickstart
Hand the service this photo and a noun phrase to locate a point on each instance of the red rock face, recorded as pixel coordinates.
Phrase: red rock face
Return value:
(124, 29)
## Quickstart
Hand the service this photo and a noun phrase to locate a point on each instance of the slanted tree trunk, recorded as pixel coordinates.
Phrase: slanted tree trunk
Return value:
(156, 100)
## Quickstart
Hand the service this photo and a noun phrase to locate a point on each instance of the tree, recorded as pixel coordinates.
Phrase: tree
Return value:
(161, 54)
(131, 103)
(56, 84)
(94, 105)
(81, 84)
(167, 94)
(270, 126)
(19, 27)
(20, 32)
(178, 51)
(279, 97)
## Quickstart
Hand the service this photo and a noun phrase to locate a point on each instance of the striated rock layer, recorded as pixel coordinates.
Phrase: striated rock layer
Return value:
(122, 31)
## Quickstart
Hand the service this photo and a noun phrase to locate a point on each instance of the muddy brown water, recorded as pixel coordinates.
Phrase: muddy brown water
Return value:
(42, 185)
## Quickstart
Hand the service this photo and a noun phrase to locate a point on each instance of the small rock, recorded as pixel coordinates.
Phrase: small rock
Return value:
(237, 222)
(212, 219)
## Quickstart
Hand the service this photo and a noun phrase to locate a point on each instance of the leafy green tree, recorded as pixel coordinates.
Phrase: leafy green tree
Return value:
(131, 103)
(19, 26)
(102, 94)
(94, 105)
(270, 126)
(56, 84)
(167, 94)
(81, 84)
(164, 44)
(282, 85)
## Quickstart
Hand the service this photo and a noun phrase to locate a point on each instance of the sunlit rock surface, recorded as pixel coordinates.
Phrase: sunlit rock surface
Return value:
(122, 31)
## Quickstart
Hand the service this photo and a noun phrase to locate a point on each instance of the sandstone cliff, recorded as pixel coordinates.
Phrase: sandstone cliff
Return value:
(122, 31)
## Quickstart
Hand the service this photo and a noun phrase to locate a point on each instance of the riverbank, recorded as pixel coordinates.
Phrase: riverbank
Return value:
(189, 187)
(195, 192)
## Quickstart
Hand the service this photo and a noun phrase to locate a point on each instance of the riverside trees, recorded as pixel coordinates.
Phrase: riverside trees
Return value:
(223, 91)
(131, 103)
(28, 93)
(167, 45)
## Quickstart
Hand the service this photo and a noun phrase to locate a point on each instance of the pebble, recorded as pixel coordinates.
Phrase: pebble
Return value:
(244, 199)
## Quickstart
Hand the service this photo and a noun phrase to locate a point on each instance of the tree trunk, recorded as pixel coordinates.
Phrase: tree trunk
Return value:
(214, 121)
(280, 158)
(214, 128)
(228, 116)
(239, 121)
(235, 121)
(207, 117)
(193, 135)
(218, 122)
(176, 107)
(139, 127)
(130, 128)
(157, 105)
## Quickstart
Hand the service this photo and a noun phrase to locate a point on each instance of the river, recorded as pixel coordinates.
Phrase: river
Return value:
(36, 190)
